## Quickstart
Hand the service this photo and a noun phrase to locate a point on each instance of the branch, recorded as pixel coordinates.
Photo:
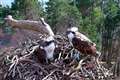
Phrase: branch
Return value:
(39, 26)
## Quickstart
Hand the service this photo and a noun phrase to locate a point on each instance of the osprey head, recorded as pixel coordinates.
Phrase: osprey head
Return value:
(71, 32)
(49, 40)
(74, 29)
(9, 17)
(42, 19)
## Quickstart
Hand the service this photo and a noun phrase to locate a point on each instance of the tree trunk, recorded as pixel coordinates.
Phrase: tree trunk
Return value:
(116, 51)
(38, 26)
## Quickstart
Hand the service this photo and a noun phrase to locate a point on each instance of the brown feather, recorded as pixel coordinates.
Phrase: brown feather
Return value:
(41, 55)
(84, 47)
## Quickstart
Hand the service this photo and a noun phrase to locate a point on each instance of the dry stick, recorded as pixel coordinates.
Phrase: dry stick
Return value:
(11, 66)
(99, 66)
(55, 65)
(79, 64)
(55, 77)
(60, 55)
(50, 74)
(15, 62)
(20, 74)
(71, 51)
(35, 64)
(31, 52)
(79, 67)
(90, 74)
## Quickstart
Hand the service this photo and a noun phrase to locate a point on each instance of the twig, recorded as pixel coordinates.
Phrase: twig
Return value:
(50, 74)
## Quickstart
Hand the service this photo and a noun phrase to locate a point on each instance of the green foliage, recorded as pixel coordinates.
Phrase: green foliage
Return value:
(98, 15)
(88, 15)
(80, 3)
(84, 6)
(4, 11)
(110, 7)
(61, 12)
(8, 30)
(27, 9)
(52, 12)
(112, 19)
(90, 30)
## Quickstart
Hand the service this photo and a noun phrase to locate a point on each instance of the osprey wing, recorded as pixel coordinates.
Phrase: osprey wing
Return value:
(84, 38)
(40, 54)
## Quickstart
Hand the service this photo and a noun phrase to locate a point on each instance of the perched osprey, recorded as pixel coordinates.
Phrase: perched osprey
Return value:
(45, 52)
(81, 42)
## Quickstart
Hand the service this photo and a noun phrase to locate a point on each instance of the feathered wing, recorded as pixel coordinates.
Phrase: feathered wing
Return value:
(84, 47)
(84, 38)
(41, 55)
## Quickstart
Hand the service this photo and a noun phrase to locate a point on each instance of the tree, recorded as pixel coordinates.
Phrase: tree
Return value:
(84, 6)
(27, 9)
(92, 18)
(61, 15)
(30, 25)
(112, 13)
(4, 11)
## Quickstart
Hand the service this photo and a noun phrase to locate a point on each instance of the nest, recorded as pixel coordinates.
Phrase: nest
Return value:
(69, 65)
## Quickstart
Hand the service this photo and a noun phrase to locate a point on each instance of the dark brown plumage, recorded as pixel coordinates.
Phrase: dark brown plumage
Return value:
(41, 55)
(81, 42)
(84, 46)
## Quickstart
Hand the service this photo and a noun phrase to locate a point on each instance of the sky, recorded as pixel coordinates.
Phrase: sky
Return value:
(8, 2)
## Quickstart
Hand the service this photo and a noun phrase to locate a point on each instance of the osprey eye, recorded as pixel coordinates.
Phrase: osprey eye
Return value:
(73, 32)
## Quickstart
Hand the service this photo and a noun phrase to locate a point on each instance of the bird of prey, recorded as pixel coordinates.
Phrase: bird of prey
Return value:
(81, 42)
(45, 52)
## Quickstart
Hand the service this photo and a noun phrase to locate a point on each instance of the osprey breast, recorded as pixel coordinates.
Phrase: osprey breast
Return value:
(50, 50)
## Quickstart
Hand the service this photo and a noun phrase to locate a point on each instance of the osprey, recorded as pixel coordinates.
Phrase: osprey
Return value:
(45, 52)
(81, 42)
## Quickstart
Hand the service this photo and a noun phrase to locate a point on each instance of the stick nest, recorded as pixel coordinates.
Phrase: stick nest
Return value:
(69, 65)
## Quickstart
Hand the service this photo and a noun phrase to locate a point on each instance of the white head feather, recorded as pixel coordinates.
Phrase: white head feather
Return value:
(42, 19)
(74, 29)
(9, 17)
(71, 35)
(50, 38)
